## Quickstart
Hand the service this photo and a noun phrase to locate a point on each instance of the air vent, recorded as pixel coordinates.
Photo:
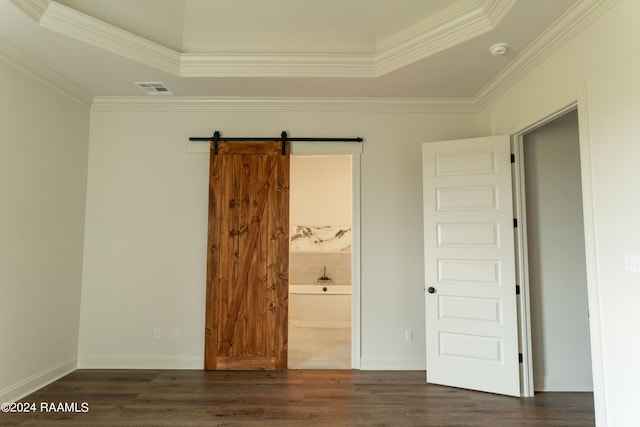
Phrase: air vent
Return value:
(154, 88)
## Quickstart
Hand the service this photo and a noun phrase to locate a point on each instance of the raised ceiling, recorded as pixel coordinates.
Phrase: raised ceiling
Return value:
(288, 48)
(272, 26)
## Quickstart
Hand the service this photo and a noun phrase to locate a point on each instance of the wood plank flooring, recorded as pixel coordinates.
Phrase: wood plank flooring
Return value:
(289, 398)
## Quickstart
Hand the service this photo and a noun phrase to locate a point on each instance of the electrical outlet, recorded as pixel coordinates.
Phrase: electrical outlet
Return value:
(156, 334)
(176, 334)
(408, 335)
(632, 263)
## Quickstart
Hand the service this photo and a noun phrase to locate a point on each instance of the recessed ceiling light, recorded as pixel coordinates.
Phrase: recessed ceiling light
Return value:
(499, 49)
(154, 88)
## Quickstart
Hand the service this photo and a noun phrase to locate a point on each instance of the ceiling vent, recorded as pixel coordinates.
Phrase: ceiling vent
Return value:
(154, 88)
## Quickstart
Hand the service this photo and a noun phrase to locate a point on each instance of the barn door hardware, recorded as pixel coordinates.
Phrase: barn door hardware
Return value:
(217, 139)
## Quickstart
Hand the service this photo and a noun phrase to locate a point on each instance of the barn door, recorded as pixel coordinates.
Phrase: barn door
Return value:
(471, 313)
(247, 260)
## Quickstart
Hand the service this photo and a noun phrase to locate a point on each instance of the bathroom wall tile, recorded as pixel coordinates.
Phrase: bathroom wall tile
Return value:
(307, 267)
(322, 238)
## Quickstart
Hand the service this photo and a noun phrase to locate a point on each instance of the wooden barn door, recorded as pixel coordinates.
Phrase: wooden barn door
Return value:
(248, 257)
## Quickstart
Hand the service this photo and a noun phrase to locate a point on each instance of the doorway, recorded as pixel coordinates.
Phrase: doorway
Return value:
(320, 269)
(551, 246)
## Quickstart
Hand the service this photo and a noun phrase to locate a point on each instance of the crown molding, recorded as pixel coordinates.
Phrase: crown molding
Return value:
(80, 26)
(395, 53)
(306, 105)
(286, 65)
(17, 58)
(564, 29)
(34, 8)
(458, 23)
(430, 24)
(459, 26)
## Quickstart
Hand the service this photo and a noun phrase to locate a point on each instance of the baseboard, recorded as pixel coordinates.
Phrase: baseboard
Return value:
(564, 383)
(139, 361)
(37, 381)
(392, 364)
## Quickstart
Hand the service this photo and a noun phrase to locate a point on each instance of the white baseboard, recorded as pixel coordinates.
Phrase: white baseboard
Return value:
(392, 364)
(563, 383)
(35, 382)
(139, 361)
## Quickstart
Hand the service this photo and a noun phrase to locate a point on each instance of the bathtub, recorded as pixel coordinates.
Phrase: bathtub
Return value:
(320, 306)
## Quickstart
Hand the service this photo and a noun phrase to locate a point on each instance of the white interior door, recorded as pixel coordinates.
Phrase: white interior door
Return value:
(471, 313)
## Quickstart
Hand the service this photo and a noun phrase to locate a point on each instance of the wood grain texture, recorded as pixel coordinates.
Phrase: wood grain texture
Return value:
(291, 398)
(247, 260)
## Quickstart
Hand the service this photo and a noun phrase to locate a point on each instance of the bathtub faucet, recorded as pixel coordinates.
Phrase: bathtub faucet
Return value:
(324, 278)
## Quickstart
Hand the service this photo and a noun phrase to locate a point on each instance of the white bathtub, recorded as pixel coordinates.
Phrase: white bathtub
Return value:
(320, 306)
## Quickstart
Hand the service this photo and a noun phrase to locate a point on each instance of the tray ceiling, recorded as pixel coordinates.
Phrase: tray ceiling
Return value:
(290, 48)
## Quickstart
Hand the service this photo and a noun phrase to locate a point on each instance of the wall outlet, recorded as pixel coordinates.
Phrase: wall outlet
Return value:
(408, 335)
(176, 334)
(632, 263)
(156, 334)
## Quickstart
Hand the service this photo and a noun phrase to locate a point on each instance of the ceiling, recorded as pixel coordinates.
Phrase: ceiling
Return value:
(279, 48)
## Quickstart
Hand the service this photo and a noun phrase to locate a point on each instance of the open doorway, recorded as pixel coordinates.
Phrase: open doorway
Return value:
(552, 246)
(320, 267)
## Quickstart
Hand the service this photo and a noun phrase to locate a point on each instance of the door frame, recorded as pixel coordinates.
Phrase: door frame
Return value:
(590, 252)
(355, 150)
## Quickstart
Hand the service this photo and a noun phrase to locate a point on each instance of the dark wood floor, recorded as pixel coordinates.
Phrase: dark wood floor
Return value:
(289, 398)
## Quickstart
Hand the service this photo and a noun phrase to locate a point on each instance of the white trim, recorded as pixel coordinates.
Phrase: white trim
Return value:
(37, 381)
(450, 27)
(34, 8)
(593, 286)
(553, 38)
(139, 361)
(80, 26)
(281, 65)
(20, 60)
(460, 26)
(443, 24)
(392, 54)
(522, 267)
(356, 257)
(292, 104)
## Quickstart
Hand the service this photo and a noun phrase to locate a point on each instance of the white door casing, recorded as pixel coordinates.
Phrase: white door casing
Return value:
(471, 313)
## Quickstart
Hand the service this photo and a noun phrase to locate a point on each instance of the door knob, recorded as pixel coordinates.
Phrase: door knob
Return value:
(431, 290)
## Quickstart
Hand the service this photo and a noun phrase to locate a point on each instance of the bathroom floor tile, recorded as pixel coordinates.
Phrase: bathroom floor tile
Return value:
(319, 348)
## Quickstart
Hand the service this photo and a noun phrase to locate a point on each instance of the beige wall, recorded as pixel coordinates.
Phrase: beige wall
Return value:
(598, 68)
(321, 190)
(145, 239)
(43, 166)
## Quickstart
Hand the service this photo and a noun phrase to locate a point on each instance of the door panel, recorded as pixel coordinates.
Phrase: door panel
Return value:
(247, 261)
(471, 316)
